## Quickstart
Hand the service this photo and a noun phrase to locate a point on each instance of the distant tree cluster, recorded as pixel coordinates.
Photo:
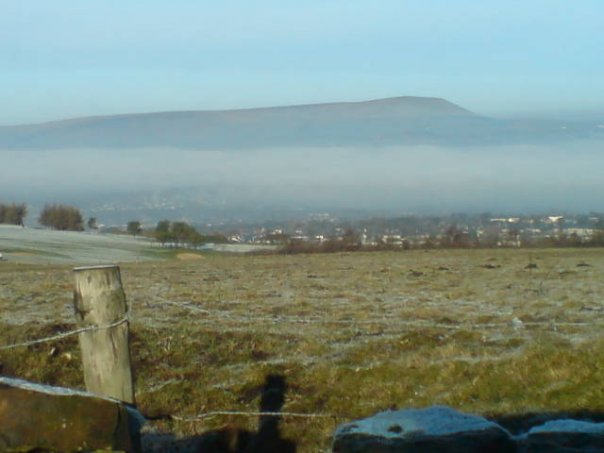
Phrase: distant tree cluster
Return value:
(92, 223)
(61, 217)
(134, 228)
(182, 234)
(13, 214)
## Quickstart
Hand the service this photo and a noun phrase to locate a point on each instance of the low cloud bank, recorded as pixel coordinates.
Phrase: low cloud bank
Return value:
(421, 179)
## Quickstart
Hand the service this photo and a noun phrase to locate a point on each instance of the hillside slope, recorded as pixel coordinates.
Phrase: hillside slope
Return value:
(383, 122)
(29, 245)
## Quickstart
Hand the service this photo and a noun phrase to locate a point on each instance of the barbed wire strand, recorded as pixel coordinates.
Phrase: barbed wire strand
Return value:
(62, 335)
(221, 314)
(228, 316)
(203, 416)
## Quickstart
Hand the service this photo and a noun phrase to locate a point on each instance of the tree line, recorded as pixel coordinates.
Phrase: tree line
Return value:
(12, 214)
(69, 218)
(61, 217)
(181, 234)
(56, 216)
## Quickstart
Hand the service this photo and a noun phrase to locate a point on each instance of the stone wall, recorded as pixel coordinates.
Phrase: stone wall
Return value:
(37, 417)
(442, 429)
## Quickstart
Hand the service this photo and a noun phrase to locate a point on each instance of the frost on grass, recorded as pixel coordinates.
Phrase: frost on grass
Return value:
(410, 423)
(37, 246)
(569, 426)
(343, 328)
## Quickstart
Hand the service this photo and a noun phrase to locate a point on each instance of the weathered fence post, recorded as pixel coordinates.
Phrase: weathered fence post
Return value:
(99, 301)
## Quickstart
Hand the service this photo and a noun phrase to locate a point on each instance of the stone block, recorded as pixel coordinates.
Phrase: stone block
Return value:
(37, 417)
(434, 429)
(564, 436)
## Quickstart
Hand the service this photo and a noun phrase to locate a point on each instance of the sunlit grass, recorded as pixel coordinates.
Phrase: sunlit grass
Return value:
(351, 333)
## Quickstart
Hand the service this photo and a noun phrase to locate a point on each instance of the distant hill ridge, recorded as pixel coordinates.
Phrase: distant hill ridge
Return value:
(403, 120)
(403, 104)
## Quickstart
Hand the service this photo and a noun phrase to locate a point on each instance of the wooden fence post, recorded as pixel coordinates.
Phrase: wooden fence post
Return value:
(99, 300)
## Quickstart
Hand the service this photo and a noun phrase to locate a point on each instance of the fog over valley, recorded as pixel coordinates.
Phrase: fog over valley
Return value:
(418, 155)
(197, 184)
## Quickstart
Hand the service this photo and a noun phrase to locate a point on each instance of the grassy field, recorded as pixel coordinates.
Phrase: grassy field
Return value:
(41, 246)
(496, 332)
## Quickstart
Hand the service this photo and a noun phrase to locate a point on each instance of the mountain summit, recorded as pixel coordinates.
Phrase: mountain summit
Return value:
(381, 122)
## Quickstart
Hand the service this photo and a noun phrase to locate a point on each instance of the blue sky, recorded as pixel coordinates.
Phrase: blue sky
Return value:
(68, 58)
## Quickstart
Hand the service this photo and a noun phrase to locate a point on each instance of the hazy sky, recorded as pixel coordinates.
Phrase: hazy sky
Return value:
(66, 58)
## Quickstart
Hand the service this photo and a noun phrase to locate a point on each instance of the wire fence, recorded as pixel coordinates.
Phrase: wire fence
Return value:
(62, 335)
(207, 415)
(214, 316)
(221, 315)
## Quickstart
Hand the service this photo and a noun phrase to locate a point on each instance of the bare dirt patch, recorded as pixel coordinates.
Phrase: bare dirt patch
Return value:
(189, 256)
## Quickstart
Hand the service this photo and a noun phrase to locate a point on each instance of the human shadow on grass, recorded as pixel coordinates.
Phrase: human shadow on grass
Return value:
(267, 439)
